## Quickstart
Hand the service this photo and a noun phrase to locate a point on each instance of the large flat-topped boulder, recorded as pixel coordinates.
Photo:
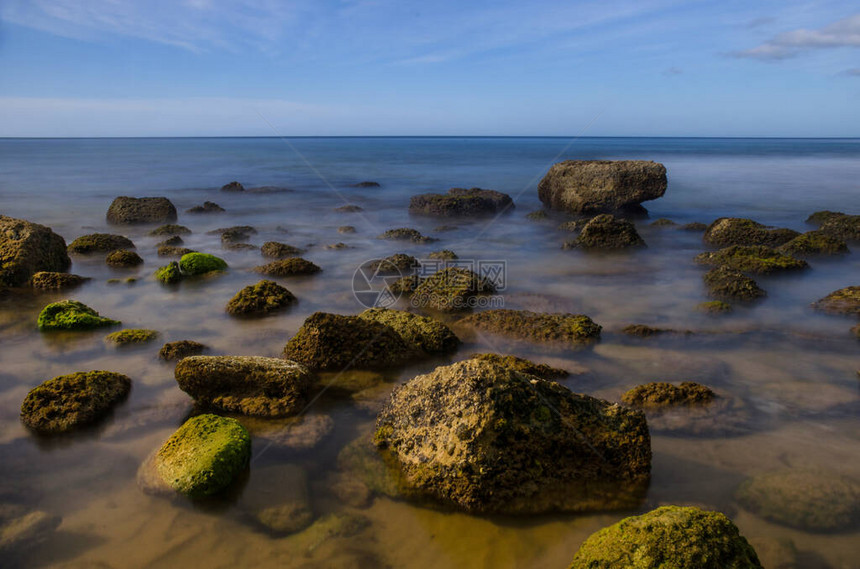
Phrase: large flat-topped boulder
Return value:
(125, 210)
(597, 186)
(27, 248)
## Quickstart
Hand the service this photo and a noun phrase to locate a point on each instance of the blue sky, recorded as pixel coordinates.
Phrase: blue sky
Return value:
(388, 67)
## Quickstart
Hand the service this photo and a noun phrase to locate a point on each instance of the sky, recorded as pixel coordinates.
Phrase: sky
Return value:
(397, 67)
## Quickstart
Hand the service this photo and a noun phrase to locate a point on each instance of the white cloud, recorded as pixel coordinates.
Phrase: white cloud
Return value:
(842, 33)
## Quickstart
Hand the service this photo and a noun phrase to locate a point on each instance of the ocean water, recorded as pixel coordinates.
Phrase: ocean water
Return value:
(794, 370)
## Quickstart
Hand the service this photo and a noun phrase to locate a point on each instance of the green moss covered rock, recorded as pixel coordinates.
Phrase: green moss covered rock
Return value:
(249, 385)
(607, 232)
(47, 280)
(804, 499)
(27, 248)
(204, 455)
(335, 342)
(671, 537)
(843, 301)
(814, 243)
(169, 274)
(820, 217)
(728, 231)
(123, 258)
(71, 315)
(394, 263)
(262, 298)
(131, 336)
(752, 259)
(200, 263)
(845, 227)
(461, 202)
(181, 349)
(541, 327)
(450, 290)
(421, 332)
(99, 243)
(406, 234)
(170, 229)
(523, 365)
(290, 267)
(275, 250)
(485, 438)
(729, 284)
(70, 401)
(660, 394)
(443, 255)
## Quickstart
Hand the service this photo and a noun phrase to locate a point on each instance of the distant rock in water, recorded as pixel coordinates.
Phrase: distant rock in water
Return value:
(131, 337)
(129, 211)
(122, 258)
(27, 248)
(843, 301)
(406, 234)
(598, 186)
(233, 187)
(485, 438)
(207, 207)
(170, 229)
(48, 280)
(727, 231)
(259, 299)
(461, 202)
(349, 208)
(367, 184)
(607, 232)
(275, 250)
(99, 243)
(725, 283)
(181, 349)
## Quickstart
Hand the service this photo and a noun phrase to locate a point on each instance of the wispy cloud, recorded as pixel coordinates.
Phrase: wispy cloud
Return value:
(842, 33)
(853, 72)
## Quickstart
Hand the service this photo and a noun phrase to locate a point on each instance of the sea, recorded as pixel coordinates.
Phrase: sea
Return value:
(792, 372)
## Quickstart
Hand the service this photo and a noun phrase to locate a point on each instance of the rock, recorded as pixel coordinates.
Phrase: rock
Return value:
(661, 394)
(597, 186)
(406, 234)
(537, 215)
(27, 248)
(349, 208)
(689, 410)
(200, 263)
(123, 259)
(452, 289)
(70, 401)
(814, 243)
(169, 274)
(727, 231)
(663, 222)
(607, 232)
(443, 255)
(714, 307)
(419, 332)
(291, 267)
(756, 259)
(335, 342)
(668, 537)
(338, 246)
(173, 241)
(248, 385)
(821, 217)
(486, 438)
(99, 243)
(71, 315)
(350, 491)
(128, 211)
(367, 184)
(234, 230)
(643, 331)
(562, 329)
(694, 226)
(815, 501)
(443, 228)
(47, 280)
(262, 298)
(728, 284)
(394, 264)
(405, 285)
(22, 529)
(300, 433)
(349, 382)
(207, 207)
(575, 225)
(131, 336)
(277, 498)
(379, 472)
(181, 349)
(233, 235)
(461, 202)
(170, 229)
(204, 455)
(523, 365)
(845, 227)
(168, 251)
(346, 229)
(239, 246)
(843, 301)
(233, 187)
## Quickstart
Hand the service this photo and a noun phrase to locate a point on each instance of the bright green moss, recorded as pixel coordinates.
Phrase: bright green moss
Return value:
(131, 336)
(71, 315)
(169, 274)
(200, 263)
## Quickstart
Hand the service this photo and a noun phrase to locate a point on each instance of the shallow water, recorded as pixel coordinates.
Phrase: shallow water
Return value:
(794, 369)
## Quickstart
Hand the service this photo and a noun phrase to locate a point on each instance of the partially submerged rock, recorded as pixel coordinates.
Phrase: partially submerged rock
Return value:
(234, 230)
(805, 499)
(843, 301)
(838, 225)
(405, 285)
(181, 349)
(728, 284)
(276, 250)
(406, 234)
(661, 394)
(131, 336)
(451, 289)
(427, 334)
(200, 263)
(346, 229)
(607, 232)
(169, 274)
(290, 267)
(461, 202)
(122, 258)
(71, 315)
(727, 231)
(99, 243)
(813, 243)
(248, 385)
(259, 299)
(561, 329)
(172, 241)
(349, 208)
(694, 226)
(756, 259)
(663, 222)
(170, 229)
(394, 263)
(204, 455)
(597, 186)
(443, 255)
(207, 207)
(276, 497)
(70, 401)
(523, 365)
(47, 280)
(27, 248)
(665, 538)
(714, 307)
(233, 235)
(537, 215)
(171, 251)
(126, 210)
(233, 186)
(366, 184)
(821, 217)
(485, 438)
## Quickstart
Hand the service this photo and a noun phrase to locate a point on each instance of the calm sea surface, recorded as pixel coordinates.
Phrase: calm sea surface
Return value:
(794, 370)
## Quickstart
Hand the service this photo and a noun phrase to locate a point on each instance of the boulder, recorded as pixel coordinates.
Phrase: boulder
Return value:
(48, 280)
(71, 315)
(27, 248)
(668, 537)
(291, 267)
(808, 500)
(485, 438)
(232, 236)
(248, 385)
(233, 186)
(125, 210)
(335, 342)
(461, 202)
(728, 284)
(207, 207)
(727, 231)
(181, 349)
(131, 337)
(561, 329)
(597, 186)
(276, 250)
(661, 394)
(607, 232)
(405, 285)
(814, 243)
(122, 258)
(419, 332)
(523, 365)
(406, 234)
(259, 299)
(756, 259)
(204, 455)
(450, 290)
(70, 401)
(843, 301)
(819, 218)
(200, 263)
